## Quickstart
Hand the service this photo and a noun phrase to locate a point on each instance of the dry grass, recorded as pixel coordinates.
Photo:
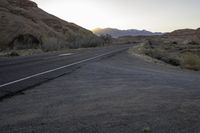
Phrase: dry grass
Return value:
(146, 129)
(26, 52)
(190, 61)
(156, 53)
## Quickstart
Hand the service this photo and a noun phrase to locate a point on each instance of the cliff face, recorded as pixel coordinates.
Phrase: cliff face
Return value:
(23, 25)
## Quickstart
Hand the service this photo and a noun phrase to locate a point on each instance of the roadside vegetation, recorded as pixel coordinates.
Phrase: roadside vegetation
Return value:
(190, 61)
(186, 55)
(146, 129)
(25, 52)
(24, 46)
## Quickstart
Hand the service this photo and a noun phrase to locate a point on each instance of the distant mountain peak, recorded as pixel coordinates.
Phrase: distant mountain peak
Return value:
(114, 32)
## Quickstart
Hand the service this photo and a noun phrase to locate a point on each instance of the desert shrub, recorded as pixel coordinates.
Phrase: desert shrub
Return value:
(85, 42)
(106, 38)
(172, 54)
(164, 56)
(171, 60)
(158, 53)
(13, 53)
(155, 53)
(53, 44)
(28, 52)
(73, 42)
(190, 61)
(9, 53)
(146, 129)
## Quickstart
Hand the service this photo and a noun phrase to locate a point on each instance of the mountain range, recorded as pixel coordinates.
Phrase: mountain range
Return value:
(119, 33)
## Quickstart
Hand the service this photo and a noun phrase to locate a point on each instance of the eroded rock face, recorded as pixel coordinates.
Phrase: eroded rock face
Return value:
(25, 41)
(23, 3)
(24, 25)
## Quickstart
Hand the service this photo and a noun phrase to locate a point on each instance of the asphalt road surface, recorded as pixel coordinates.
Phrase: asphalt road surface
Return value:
(21, 73)
(120, 93)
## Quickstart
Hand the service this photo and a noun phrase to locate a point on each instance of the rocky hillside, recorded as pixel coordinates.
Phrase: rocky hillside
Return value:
(184, 35)
(119, 33)
(23, 25)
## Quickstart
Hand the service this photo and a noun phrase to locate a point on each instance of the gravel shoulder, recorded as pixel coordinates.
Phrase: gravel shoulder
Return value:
(119, 94)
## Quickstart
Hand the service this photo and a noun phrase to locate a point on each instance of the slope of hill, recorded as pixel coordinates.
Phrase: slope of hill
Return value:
(184, 35)
(23, 25)
(118, 33)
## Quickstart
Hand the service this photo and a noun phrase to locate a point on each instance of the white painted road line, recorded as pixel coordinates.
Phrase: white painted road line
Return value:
(52, 70)
(67, 54)
(61, 55)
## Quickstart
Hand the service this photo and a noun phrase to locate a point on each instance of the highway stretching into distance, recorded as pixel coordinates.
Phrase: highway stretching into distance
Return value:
(24, 72)
(97, 90)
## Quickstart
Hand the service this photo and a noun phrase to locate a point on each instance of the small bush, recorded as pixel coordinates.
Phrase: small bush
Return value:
(85, 42)
(13, 54)
(155, 53)
(53, 44)
(106, 38)
(171, 60)
(146, 129)
(190, 61)
(162, 55)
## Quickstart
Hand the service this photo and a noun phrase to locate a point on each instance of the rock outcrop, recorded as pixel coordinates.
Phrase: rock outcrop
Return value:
(23, 25)
(185, 35)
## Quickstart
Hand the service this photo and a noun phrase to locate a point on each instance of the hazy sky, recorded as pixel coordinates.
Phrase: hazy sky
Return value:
(154, 15)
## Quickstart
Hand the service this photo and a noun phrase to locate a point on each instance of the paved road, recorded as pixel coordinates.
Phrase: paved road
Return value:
(21, 73)
(117, 94)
